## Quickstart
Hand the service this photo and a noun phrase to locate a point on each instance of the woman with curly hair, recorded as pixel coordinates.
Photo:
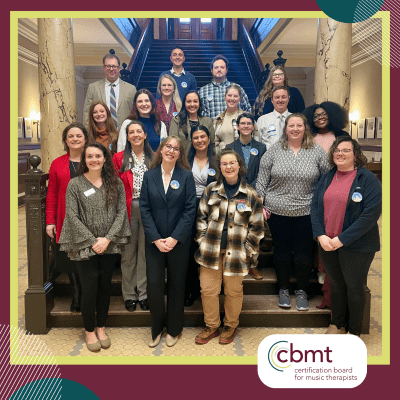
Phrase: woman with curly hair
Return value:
(169, 102)
(326, 121)
(101, 127)
(95, 229)
(189, 118)
(144, 110)
(345, 209)
(277, 77)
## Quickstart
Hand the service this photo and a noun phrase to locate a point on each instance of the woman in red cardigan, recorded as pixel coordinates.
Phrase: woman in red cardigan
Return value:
(62, 170)
(131, 164)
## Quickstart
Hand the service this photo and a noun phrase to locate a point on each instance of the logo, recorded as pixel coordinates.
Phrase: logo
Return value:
(281, 356)
(312, 361)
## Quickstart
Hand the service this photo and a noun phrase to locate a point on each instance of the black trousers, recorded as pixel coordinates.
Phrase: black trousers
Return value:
(95, 275)
(347, 272)
(292, 235)
(192, 287)
(176, 263)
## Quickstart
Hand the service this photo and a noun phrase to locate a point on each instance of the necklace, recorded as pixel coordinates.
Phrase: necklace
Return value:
(73, 166)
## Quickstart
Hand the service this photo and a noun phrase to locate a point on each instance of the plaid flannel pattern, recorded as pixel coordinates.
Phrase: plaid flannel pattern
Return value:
(213, 99)
(245, 228)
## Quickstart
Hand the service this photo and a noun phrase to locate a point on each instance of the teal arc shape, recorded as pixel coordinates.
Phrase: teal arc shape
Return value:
(350, 11)
(53, 389)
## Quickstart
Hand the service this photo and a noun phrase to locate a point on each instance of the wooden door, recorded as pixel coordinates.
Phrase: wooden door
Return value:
(195, 28)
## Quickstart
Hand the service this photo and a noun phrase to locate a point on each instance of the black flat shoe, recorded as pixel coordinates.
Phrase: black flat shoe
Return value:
(130, 305)
(144, 304)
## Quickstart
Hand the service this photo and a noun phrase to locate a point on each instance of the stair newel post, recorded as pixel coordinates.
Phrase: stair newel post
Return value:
(37, 306)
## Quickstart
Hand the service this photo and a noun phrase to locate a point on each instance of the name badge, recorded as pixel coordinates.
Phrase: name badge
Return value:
(211, 172)
(271, 127)
(175, 113)
(184, 84)
(357, 197)
(174, 184)
(89, 192)
(210, 97)
(241, 207)
(253, 151)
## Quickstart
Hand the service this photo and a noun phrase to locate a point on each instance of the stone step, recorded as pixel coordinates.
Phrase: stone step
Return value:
(257, 311)
(267, 286)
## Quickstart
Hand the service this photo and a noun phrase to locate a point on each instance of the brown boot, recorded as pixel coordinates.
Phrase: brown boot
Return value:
(255, 273)
(334, 330)
(227, 335)
(206, 335)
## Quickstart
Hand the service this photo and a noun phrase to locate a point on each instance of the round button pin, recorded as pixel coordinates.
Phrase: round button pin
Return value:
(253, 151)
(211, 172)
(174, 184)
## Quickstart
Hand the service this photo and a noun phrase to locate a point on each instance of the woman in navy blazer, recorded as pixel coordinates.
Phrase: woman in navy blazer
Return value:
(345, 209)
(201, 161)
(168, 208)
(245, 123)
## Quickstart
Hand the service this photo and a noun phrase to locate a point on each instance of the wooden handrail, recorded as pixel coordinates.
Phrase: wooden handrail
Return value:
(251, 55)
(139, 57)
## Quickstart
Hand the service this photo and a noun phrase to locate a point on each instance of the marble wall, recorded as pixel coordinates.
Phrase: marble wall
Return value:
(333, 62)
(56, 83)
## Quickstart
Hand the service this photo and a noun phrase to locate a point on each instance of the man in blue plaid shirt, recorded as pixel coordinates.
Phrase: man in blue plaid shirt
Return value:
(213, 95)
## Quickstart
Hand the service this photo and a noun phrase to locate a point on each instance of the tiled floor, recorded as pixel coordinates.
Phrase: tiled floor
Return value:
(134, 341)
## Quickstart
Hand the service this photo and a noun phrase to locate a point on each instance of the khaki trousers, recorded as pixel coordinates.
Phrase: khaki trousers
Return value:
(210, 282)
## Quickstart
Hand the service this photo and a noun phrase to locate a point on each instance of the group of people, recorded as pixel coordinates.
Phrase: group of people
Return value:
(191, 186)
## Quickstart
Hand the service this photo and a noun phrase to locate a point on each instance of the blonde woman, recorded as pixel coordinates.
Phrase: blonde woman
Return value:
(169, 103)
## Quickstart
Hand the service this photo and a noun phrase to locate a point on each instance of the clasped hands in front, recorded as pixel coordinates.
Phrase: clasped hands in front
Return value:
(329, 244)
(101, 245)
(165, 245)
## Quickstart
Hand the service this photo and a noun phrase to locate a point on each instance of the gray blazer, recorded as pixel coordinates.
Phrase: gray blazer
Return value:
(174, 130)
(97, 91)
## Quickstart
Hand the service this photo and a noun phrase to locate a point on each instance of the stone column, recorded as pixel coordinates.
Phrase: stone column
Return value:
(333, 62)
(56, 84)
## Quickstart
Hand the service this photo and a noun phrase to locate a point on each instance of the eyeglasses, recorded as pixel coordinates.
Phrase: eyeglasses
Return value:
(246, 123)
(278, 75)
(318, 116)
(170, 148)
(344, 151)
(111, 67)
(231, 164)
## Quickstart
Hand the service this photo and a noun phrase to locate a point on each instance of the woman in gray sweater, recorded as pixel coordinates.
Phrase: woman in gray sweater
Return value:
(95, 229)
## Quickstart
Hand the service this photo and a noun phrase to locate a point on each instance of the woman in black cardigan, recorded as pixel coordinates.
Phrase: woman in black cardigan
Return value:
(345, 209)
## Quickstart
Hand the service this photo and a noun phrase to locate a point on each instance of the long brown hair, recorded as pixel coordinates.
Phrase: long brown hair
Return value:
(110, 180)
(308, 140)
(266, 91)
(154, 114)
(110, 126)
(182, 160)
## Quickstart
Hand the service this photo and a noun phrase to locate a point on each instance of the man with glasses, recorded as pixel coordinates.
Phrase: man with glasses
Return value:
(271, 126)
(117, 94)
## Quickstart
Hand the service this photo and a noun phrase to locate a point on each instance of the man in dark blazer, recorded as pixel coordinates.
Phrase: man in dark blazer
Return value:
(167, 214)
(101, 90)
(251, 151)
